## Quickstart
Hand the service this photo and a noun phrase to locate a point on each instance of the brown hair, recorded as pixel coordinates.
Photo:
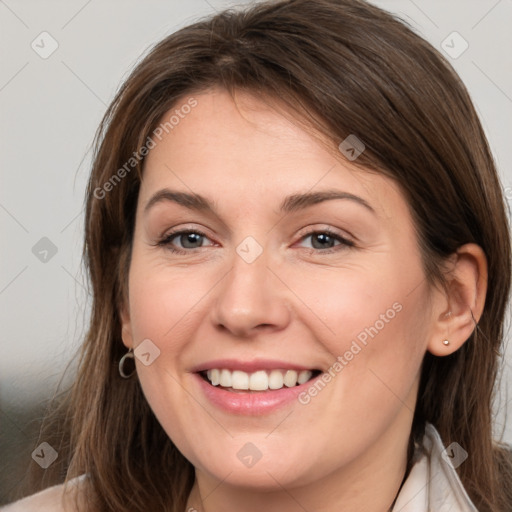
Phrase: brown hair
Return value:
(353, 69)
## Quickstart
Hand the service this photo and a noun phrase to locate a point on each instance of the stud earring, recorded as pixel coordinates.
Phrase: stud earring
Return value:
(446, 342)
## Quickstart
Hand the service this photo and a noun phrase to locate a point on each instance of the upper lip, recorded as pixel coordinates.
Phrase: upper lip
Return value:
(250, 366)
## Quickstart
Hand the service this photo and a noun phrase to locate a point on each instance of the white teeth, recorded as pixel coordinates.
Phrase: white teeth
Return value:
(275, 380)
(214, 376)
(239, 380)
(260, 380)
(304, 376)
(225, 378)
(290, 378)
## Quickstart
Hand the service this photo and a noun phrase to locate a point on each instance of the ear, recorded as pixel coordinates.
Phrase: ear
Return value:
(126, 325)
(458, 307)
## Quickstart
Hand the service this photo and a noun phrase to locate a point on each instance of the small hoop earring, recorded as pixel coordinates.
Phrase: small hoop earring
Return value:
(128, 355)
(446, 342)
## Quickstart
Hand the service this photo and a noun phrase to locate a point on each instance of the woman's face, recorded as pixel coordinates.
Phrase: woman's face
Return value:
(273, 284)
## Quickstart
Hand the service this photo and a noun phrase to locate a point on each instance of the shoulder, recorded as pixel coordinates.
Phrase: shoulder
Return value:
(53, 499)
(45, 500)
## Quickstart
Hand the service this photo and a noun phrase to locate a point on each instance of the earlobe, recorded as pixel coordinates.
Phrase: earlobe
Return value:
(462, 303)
(126, 327)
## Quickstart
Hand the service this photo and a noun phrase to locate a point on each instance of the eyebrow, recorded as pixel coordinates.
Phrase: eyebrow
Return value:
(292, 203)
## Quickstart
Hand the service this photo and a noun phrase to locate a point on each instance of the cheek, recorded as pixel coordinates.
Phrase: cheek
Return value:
(360, 303)
(373, 323)
(162, 309)
(163, 301)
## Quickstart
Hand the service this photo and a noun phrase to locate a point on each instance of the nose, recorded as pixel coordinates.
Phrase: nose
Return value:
(251, 298)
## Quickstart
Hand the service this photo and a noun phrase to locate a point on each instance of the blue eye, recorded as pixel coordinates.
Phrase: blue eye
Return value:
(326, 241)
(188, 239)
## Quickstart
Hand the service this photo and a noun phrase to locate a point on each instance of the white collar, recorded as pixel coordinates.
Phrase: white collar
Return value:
(433, 483)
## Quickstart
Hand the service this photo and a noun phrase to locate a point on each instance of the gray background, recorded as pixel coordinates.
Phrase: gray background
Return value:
(50, 109)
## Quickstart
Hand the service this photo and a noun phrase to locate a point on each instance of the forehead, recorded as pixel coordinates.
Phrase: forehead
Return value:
(243, 148)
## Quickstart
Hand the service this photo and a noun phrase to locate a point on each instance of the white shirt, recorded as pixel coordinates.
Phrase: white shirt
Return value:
(431, 486)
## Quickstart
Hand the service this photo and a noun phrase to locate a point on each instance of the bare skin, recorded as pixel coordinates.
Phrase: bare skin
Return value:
(305, 300)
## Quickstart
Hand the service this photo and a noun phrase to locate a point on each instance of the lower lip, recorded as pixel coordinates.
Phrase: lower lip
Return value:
(251, 402)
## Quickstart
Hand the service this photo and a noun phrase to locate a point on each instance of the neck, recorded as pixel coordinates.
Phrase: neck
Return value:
(370, 483)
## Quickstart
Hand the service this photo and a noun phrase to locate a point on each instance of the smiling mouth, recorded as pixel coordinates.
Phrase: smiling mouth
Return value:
(262, 380)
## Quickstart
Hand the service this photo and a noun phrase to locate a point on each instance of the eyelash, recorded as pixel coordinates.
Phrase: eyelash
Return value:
(344, 242)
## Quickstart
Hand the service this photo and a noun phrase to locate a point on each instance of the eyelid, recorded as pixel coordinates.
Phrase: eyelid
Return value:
(191, 227)
(325, 228)
(344, 241)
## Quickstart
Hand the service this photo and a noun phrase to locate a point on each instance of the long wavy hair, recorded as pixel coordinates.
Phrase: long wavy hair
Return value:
(343, 66)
